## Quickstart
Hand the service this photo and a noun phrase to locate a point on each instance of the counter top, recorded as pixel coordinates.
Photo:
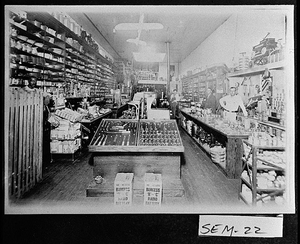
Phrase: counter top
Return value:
(220, 126)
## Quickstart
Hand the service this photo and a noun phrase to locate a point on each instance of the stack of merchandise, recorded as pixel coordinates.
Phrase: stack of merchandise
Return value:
(218, 155)
(243, 61)
(69, 114)
(104, 110)
(265, 139)
(66, 138)
(94, 111)
(129, 114)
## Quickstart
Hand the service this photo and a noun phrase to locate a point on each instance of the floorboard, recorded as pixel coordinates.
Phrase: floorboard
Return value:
(204, 182)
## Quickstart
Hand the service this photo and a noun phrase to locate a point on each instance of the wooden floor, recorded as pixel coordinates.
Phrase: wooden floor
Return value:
(65, 182)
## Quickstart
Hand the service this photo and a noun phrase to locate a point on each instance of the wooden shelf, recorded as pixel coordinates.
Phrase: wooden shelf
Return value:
(264, 147)
(84, 58)
(255, 167)
(269, 166)
(272, 124)
(270, 190)
(258, 69)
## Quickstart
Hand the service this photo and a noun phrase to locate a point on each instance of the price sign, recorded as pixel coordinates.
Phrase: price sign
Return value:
(240, 226)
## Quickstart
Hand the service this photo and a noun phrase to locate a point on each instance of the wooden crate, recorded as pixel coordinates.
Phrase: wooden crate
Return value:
(25, 140)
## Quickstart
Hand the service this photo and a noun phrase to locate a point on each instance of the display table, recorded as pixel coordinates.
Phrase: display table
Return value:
(139, 147)
(232, 140)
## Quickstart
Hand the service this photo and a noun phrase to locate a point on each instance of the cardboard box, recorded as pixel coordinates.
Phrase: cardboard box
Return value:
(152, 189)
(123, 189)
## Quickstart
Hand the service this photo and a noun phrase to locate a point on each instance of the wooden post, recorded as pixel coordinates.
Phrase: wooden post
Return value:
(168, 69)
(233, 158)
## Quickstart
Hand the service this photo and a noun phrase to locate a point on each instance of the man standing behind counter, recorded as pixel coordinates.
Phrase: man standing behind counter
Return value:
(211, 101)
(231, 104)
(174, 98)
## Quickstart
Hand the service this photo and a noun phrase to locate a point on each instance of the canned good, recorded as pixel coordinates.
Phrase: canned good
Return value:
(61, 17)
(72, 25)
(66, 21)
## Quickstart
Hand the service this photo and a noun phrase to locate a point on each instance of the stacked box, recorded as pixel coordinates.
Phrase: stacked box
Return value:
(123, 189)
(65, 146)
(152, 189)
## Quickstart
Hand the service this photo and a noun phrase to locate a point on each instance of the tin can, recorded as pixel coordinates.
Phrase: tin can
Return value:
(66, 21)
(60, 17)
(72, 25)
(76, 28)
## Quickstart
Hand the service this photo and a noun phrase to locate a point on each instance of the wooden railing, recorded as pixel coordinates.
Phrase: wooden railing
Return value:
(25, 143)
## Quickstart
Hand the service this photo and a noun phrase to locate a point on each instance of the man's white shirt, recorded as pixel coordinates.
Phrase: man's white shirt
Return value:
(232, 103)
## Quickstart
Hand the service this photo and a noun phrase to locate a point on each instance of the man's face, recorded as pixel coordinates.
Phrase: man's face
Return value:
(32, 82)
(232, 91)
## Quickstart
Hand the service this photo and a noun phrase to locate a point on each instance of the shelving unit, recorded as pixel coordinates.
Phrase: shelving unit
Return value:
(43, 47)
(255, 164)
(194, 86)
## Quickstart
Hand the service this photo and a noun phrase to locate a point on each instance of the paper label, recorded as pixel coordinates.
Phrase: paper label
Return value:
(240, 226)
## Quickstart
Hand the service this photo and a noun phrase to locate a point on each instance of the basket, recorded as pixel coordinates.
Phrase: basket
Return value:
(218, 155)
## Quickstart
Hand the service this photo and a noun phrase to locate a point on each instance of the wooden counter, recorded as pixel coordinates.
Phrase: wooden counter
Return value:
(232, 141)
(126, 152)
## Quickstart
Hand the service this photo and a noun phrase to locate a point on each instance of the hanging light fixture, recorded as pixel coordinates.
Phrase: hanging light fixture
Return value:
(137, 40)
(139, 27)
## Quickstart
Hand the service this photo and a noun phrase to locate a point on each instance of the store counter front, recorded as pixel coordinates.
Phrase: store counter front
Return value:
(214, 130)
(138, 147)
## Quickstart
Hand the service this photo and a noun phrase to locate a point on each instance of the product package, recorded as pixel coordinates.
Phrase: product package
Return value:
(123, 189)
(152, 189)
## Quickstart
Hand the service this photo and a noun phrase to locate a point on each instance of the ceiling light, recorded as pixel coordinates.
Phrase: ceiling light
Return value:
(149, 57)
